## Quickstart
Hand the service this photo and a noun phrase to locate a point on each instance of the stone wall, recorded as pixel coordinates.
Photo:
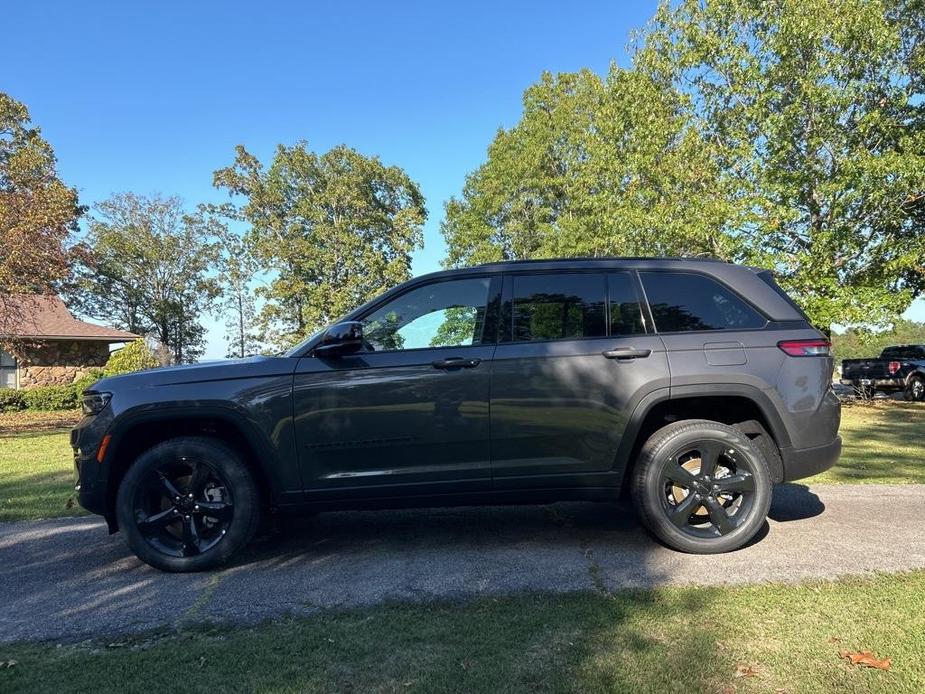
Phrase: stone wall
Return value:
(59, 362)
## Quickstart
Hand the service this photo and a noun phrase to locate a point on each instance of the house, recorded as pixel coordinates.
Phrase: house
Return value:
(49, 346)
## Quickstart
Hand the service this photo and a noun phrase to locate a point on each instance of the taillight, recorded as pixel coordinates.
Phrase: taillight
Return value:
(806, 348)
(894, 366)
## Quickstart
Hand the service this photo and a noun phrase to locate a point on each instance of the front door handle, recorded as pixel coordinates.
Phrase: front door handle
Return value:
(456, 363)
(622, 353)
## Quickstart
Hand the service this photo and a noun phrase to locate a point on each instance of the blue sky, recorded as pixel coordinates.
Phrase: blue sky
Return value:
(153, 97)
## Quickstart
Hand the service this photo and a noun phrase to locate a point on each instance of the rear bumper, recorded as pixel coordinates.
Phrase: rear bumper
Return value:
(806, 462)
(892, 383)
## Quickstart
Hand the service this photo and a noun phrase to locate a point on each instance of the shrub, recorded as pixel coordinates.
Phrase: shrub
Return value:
(11, 400)
(81, 384)
(135, 356)
(51, 398)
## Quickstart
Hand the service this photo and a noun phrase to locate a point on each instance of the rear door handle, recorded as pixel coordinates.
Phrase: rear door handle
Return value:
(623, 353)
(456, 363)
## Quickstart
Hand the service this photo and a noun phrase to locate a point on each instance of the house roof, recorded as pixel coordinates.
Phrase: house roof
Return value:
(41, 316)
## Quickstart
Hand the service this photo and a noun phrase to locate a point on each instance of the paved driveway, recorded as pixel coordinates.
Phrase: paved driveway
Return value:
(67, 579)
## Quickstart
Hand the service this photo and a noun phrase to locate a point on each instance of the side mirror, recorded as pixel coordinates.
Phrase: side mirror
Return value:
(342, 338)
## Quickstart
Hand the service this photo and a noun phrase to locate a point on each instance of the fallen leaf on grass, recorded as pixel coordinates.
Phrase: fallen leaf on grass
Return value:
(867, 659)
(745, 671)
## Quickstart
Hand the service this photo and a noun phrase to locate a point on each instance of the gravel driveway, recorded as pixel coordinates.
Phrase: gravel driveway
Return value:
(67, 579)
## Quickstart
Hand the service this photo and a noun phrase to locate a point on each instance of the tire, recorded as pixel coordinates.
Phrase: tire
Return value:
(915, 389)
(164, 502)
(673, 468)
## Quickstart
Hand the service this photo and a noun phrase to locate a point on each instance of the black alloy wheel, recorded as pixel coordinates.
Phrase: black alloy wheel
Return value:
(183, 508)
(708, 488)
(701, 486)
(188, 504)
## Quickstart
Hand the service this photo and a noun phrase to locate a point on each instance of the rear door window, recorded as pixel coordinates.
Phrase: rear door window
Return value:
(559, 306)
(683, 301)
(625, 308)
(903, 353)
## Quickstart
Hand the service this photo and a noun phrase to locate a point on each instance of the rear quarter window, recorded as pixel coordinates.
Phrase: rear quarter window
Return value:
(903, 353)
(682, 302)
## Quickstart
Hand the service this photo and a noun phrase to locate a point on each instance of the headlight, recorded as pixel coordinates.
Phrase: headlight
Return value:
(93, 403)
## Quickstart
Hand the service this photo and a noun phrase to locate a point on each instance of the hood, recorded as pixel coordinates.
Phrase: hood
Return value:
(222, 369)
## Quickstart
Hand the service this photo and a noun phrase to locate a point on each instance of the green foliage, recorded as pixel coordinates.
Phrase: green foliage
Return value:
(857, 343)
(135, 356)
(333, 230)
(239, 266)
(51, 398)
(147, 268)
(11, 400)
(595, 167)
(37, 212)
(84, 382)
(813, 111)
(789, 135)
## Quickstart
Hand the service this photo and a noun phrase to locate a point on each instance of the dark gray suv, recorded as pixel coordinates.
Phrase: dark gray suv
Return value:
(693, 384)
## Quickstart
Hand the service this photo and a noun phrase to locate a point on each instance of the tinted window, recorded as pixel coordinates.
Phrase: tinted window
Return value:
(909, 352)
(625, 313)
(443, 314)
(683, 301)
(558, 307)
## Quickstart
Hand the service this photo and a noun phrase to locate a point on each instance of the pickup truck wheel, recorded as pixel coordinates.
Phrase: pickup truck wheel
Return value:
(188, 504)
(915, 389)
(701, 487)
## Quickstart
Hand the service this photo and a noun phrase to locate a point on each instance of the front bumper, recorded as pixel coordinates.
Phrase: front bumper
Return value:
(806, 462)
(91, 477)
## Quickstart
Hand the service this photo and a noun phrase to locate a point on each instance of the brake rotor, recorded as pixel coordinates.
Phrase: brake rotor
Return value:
(680, 493)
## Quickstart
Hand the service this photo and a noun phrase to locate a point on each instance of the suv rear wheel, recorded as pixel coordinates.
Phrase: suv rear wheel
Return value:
(188, 504)
(701, 487)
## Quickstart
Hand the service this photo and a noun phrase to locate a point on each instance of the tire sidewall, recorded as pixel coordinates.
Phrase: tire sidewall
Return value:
(910, 389)
(235, 473)
(647, 485)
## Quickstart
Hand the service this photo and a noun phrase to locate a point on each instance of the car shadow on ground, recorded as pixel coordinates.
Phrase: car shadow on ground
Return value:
(794, 502)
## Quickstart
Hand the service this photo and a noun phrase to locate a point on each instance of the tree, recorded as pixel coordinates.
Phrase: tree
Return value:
(332, 230)
(37, 212)
(815, 115)
(595, 167)
(149, 270)
(237, 304)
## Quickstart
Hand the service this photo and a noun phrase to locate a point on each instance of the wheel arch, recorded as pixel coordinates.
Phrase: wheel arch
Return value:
(743, 406)
(134, 433)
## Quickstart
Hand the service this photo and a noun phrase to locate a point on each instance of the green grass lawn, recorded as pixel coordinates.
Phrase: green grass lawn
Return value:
(883, 443)
(666, 640)
(36, 476)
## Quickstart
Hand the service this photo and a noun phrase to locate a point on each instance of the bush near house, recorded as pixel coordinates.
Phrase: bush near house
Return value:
(11, 400)
(51, 398)
(135, 356)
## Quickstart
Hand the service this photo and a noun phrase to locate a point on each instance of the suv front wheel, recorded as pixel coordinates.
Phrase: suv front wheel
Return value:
(701, 487)
(188, 504)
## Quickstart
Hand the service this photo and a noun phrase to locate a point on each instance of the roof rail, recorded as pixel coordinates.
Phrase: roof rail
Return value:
(709, 259)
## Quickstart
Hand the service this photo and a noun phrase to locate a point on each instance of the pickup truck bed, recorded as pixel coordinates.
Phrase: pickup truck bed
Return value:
(899, 368)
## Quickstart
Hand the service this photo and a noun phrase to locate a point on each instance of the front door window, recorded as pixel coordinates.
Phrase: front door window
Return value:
(443, 314)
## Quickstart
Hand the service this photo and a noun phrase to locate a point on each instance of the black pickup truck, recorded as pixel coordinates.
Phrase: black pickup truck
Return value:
(900, 368)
